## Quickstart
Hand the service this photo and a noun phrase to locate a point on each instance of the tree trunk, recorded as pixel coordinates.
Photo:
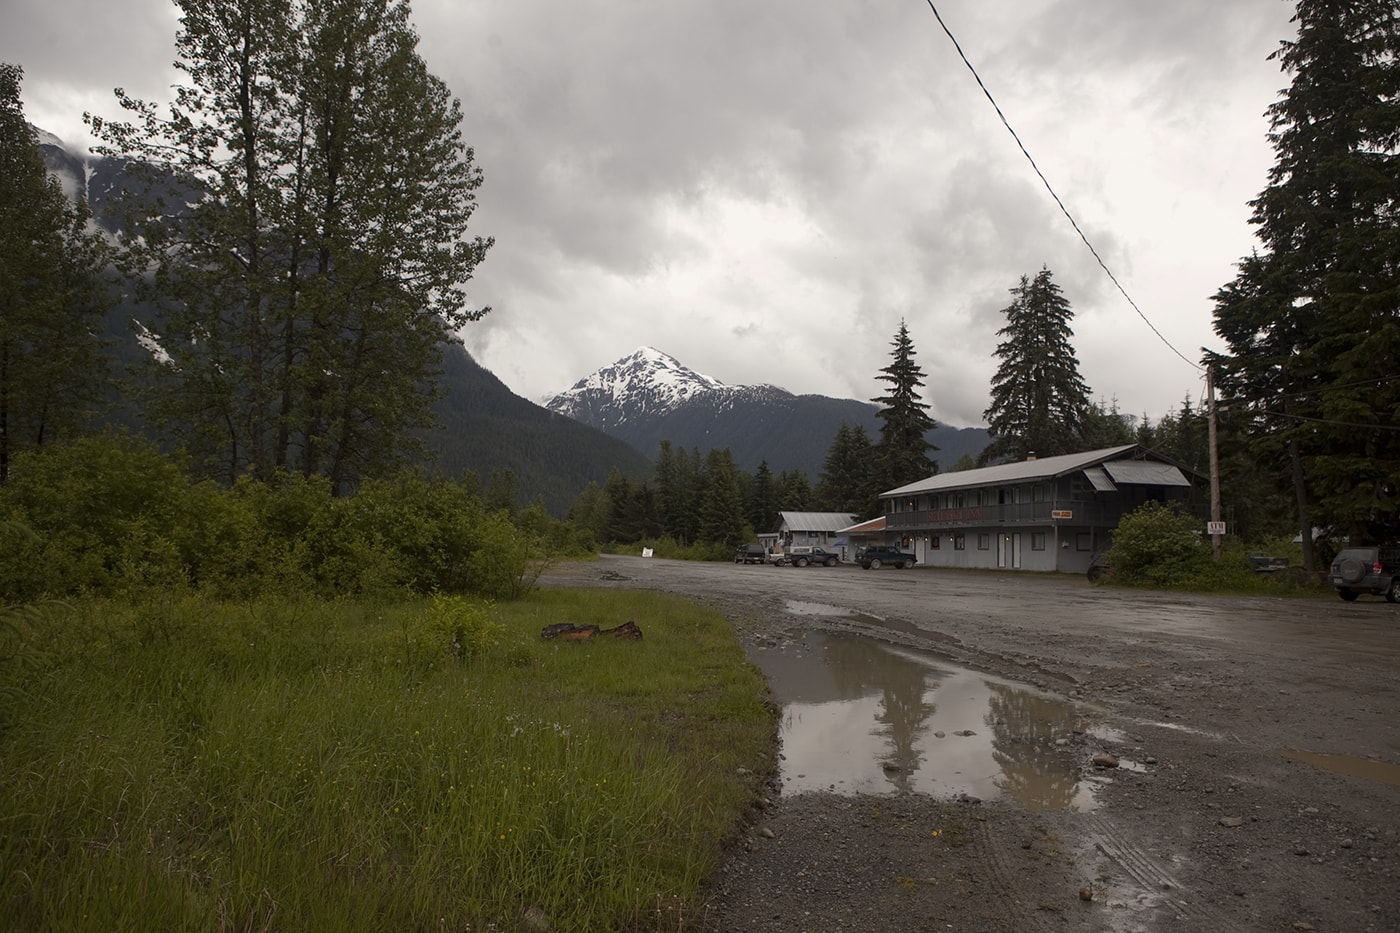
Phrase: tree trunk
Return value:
(1301, 492)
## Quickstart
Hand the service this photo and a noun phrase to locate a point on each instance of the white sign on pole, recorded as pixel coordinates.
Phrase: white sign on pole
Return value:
(1215, 528)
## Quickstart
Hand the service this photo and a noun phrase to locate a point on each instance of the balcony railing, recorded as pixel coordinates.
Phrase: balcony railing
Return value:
(1082, 512)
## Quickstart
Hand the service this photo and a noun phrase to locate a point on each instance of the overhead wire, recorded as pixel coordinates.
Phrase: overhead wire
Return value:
(1048, 187)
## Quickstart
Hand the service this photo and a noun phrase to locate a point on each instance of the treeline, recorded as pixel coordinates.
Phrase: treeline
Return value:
(114, 516)
(706, 504)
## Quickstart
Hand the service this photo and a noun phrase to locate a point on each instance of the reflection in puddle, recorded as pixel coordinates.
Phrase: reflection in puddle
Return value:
(860, 715)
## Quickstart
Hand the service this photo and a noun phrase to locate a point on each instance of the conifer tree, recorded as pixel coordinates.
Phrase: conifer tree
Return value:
(794, 492)
(763, 500)
(1105, 426)
(846, 481)
(1311, 321)
(1040, 405)
(903, 451)
(53, 367)
(721, 510)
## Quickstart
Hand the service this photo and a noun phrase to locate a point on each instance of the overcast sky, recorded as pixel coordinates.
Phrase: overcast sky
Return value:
(764, 188)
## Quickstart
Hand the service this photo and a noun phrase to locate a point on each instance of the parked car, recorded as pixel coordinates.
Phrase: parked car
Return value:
(873, 558)
(1373, 570)
(801, 556)
(751, 554)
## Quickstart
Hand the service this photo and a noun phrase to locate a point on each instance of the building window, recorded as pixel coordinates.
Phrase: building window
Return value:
(1081, 541)
(1037, 540)
(984, 542)
(1038, 493)
(933, 542)
(960, 542)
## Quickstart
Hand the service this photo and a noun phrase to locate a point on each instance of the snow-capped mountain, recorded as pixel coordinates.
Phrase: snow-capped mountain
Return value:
(646, 384)
(649, 396)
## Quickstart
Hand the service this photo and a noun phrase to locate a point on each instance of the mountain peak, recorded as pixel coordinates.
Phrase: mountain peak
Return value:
(664, 367)
(645, 383)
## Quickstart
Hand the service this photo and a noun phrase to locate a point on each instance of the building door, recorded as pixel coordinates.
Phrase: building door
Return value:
(1009, 551)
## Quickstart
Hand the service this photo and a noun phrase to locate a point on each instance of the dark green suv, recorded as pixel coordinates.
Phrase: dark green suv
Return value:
(1374, 570)
(873, 558)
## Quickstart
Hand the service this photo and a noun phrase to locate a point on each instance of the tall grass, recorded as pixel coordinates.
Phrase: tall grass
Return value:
(284, 765)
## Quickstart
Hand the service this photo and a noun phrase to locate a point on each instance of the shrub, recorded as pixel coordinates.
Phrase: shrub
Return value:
(1158, 545)
(112, 515)
(100, 513)
(453, 627)
(505, 561)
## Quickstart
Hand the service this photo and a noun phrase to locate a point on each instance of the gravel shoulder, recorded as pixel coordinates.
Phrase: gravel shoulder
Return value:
(1269, 798)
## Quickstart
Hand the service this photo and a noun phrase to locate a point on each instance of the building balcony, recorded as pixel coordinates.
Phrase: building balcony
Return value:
(1078, 512)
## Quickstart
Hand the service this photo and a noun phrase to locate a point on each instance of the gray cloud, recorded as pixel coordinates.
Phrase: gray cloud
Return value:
(764, 189)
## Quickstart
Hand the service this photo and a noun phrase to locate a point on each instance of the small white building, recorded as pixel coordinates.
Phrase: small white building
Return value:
(812, 529)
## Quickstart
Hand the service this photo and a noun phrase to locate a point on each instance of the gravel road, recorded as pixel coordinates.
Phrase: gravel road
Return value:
(1264, 734)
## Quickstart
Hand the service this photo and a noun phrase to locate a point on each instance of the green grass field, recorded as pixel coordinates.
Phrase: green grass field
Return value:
(433, 765)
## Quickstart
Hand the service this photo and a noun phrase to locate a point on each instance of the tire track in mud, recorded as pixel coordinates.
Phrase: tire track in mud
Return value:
(1022, 908)
(1153, 886)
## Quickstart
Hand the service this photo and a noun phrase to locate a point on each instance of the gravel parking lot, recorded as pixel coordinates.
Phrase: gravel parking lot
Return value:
(1263, 737)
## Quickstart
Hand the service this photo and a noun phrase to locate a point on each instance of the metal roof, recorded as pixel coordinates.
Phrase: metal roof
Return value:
(866, 527)
(815, 521)
(1145, 473)
(1023, 472)
(1099, 480)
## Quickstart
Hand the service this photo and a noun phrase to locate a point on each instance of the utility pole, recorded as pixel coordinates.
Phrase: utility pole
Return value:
(1216, 526)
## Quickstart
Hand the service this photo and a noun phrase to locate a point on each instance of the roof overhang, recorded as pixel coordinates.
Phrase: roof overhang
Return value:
(1144, 473)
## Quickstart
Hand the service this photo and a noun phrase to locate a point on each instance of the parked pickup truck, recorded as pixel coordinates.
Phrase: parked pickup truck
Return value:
(801, 556)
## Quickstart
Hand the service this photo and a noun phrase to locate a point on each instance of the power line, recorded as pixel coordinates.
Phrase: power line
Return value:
(1048, 188)
(1311, 420)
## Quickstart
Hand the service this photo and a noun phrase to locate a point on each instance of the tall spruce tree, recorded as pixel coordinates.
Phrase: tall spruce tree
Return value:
(794, 492)
(902, 454)
(307, 289)
(1312, 320)
(53, 367)
(763, 500)
(721, 508)
(845, 482)
(1040, 405)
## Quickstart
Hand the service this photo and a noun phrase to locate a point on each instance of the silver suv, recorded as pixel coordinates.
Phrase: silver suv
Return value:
(1374, 570)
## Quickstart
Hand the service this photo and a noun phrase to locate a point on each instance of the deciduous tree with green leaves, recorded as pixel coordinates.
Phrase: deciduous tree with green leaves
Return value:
(53, 367)
(1312, 320)
(1040, 404)
(309, 250)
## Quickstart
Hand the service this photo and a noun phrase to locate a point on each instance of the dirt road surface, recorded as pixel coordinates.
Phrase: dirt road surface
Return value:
(1258, 741)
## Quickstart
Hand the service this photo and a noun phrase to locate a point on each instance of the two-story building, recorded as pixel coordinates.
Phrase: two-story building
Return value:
(1047, 514)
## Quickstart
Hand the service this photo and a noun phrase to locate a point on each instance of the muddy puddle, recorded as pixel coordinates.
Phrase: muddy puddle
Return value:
(1371, 769)
(863, 715)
